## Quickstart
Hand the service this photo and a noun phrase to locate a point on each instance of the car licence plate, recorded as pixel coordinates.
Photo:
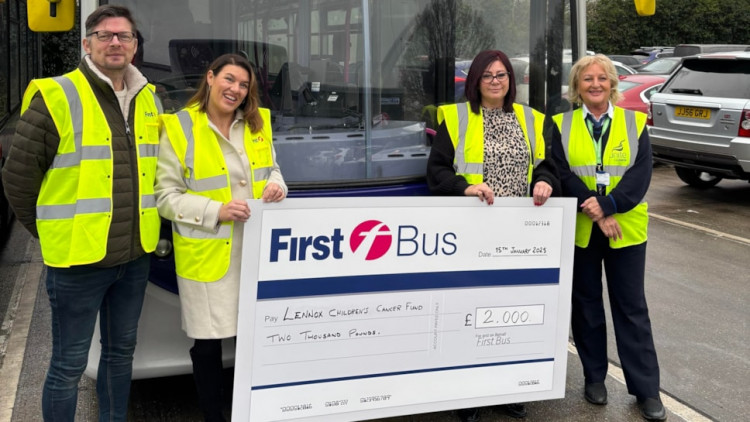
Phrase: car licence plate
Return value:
(692, 112)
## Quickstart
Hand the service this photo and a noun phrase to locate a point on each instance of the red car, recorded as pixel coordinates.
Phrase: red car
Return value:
(637, 89)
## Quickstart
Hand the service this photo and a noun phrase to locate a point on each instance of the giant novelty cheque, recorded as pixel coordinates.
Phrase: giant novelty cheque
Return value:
(364, 308)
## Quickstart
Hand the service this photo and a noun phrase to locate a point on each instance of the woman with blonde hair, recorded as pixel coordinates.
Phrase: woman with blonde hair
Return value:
(604, 158)
(215, 154)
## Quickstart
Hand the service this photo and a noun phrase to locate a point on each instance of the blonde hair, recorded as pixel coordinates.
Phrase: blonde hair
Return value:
(581, 65)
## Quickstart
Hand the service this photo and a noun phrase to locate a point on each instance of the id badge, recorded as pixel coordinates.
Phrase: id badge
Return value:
(602, 178)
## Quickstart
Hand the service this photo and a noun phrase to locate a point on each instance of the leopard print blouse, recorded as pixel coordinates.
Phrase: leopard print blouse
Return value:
(506, 156)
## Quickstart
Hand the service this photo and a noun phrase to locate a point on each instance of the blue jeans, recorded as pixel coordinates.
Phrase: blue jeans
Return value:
(76, 296)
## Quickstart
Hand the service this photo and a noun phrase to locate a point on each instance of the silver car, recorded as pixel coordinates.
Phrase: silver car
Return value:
(700, 119)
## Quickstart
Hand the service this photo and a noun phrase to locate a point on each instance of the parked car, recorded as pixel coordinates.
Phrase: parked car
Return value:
(683, 50)
(661, 66)
(637, 90)
(700, 120)
(648, 54)
(521, 70)
(623, 69)
(629, 60)
(462, 70)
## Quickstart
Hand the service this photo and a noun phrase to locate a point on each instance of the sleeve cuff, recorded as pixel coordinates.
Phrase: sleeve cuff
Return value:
(608, 205)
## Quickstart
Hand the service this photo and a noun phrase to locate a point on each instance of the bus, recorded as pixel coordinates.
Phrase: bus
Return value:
(353, 87)
(20, 62)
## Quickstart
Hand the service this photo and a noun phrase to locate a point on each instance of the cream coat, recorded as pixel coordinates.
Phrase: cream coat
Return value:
(209, 310)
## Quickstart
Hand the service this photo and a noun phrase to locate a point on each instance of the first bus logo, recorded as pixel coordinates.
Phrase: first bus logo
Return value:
(378, 234)
(371, 239)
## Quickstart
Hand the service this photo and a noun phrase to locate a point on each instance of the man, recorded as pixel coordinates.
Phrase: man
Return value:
(80, 176)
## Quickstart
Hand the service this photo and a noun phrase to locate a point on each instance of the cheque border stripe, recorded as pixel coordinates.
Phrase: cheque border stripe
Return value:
(305, 287)
(391, 374)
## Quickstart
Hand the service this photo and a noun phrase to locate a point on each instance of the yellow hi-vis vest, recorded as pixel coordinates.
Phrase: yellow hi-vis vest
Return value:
(74, 207)
(466, 130)
(200, 255)
(618, 156)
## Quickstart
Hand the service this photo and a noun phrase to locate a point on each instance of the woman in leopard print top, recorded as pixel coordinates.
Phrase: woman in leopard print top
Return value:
(494, 125)
(501, 151)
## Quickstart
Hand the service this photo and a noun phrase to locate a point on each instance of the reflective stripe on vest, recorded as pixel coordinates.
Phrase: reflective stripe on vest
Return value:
(614, 169)
(201, 255)
(618, 157)
(473, 172)
(74, 205)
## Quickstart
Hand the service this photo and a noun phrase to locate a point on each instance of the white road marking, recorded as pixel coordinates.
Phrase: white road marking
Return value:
(701, 228)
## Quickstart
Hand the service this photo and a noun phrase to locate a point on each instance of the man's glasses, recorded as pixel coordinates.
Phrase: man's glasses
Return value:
(500, 76)
(106, 36)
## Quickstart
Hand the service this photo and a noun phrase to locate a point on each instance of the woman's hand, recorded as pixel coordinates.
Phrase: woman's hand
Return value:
(273, 193)
(542, 192)
(234, 210)
(482, 191)
(610, 227)
(591, 208)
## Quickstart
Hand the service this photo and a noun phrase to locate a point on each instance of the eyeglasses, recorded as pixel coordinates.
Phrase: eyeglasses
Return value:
(106, 36)
(500, 76)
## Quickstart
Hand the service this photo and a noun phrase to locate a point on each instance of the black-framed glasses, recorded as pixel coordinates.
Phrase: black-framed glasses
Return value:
(500, 76)
(106, 36)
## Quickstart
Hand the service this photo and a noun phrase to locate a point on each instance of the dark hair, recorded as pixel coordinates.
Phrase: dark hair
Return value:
(480, 63)
(252, 101)
(109, 11)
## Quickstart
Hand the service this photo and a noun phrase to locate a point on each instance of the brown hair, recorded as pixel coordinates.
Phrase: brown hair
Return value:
(109, 11)
(251, 103)
(581, 65)
(481, 62)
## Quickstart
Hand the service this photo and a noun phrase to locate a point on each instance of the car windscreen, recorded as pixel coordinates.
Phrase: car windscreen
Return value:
(623, 86)
(628, 60)
(712, 78)
(659, 66)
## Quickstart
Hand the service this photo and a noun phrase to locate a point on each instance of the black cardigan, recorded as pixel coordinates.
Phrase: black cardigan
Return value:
(443, 180)
(629, 191)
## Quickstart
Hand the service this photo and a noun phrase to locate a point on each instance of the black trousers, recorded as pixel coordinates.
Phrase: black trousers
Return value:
(625, 270)
(208, 376)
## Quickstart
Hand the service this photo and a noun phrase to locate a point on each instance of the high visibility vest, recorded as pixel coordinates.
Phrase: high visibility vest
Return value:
(74, 207)
(200, 255)
(618, 156)
(466, 130)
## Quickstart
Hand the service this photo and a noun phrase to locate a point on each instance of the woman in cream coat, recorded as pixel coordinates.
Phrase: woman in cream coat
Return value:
(214, 155)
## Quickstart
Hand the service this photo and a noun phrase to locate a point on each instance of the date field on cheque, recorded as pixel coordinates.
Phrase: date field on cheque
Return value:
(510, 316)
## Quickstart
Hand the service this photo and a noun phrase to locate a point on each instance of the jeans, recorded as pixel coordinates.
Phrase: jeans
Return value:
(76, 296)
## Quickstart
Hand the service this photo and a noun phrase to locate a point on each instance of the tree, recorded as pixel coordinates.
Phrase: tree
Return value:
(614, 27)
(61, 51)
(443, 30)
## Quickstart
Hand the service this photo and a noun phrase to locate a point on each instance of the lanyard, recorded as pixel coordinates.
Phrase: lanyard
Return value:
(598, 141)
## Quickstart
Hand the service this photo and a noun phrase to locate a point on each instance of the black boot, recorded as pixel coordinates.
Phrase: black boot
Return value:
(469, 415)
(207, 373)
(515, 410)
